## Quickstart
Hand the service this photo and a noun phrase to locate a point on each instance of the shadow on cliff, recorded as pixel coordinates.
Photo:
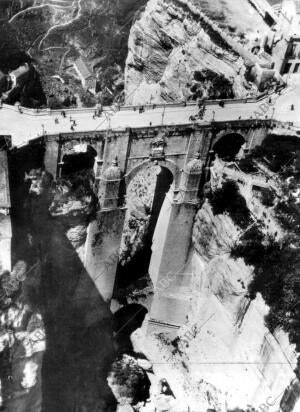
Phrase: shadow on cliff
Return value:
(78, 323)
(78, 329)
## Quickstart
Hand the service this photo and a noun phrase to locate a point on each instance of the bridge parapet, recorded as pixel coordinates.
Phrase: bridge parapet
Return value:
(5, 203)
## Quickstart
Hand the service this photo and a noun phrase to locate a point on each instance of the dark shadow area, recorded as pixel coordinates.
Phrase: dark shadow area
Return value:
(279, 153)
(21, 161)
(79, 161)
(228, 146)
(127, 320)
(11, 54)
(78, 328)
(78, 323)
(139, 264)
(229, 199)
(128, 374)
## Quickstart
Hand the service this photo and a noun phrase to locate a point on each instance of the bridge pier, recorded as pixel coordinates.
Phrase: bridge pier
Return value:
(172, 148)
(5, 220)
(104, 233)
(170, 251)
(102, 250)
(51, 157)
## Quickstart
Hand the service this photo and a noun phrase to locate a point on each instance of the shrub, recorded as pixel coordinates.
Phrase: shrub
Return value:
(267, 197)
(276, 272)
(228, 199)
(247, 165)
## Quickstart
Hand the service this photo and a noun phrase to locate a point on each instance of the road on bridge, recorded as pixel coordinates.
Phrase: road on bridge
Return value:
(29, 124)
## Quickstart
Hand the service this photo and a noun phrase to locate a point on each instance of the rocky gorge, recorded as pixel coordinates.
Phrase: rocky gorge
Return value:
(63, 348)
(242, 323)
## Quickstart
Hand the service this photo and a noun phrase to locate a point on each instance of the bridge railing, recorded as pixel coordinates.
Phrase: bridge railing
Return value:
(114, 109)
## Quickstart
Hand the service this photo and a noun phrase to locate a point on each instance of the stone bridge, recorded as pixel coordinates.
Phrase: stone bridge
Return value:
(185, 151)
(121, 146)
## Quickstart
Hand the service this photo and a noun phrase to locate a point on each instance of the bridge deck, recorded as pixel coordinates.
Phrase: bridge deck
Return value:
(29, 124)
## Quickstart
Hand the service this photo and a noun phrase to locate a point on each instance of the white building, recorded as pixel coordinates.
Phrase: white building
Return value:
(88, 79)
(20, 76)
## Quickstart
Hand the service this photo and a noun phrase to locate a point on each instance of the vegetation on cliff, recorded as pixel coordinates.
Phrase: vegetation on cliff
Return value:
(54, 36)
(228, 199)
(276, 261)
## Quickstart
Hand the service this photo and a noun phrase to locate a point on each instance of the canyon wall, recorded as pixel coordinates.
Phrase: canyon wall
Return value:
(180, 50)
(226, 357)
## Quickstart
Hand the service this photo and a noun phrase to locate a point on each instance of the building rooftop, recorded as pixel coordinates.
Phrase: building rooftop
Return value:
(83, 68)
(20, 71)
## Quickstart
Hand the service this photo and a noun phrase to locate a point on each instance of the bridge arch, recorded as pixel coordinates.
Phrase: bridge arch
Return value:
(77, 158)
(142, 218)
(228, 143)
(168, 164)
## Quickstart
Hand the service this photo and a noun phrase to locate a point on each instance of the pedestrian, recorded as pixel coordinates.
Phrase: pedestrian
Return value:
(165, 388)
(72, 128)
(292, 107)
(99, 109)
(74, 123)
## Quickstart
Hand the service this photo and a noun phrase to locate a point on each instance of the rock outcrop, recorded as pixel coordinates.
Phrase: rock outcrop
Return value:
(226, 357)
(181, 50)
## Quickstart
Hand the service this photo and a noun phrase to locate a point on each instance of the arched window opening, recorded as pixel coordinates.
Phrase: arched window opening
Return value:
(228, 146)
(75, 162)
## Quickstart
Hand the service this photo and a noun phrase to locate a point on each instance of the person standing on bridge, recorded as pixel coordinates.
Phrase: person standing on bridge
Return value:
(98, 109)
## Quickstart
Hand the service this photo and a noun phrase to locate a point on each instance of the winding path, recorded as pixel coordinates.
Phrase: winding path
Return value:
(66, 6)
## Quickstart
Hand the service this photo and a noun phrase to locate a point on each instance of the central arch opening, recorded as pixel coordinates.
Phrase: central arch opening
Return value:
(228, 146)
(140, 224)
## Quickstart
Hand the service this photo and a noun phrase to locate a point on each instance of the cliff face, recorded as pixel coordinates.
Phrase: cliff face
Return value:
(176, 50)
(232, 339)
(228, 356)
(181, 49)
